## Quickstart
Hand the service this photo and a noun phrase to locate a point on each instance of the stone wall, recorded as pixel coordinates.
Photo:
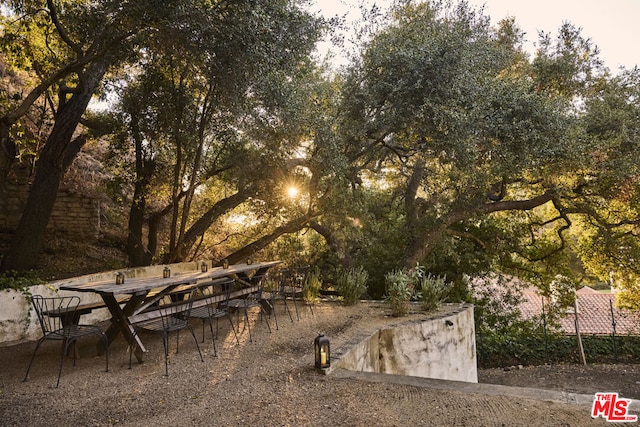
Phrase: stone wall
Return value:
(74, 216)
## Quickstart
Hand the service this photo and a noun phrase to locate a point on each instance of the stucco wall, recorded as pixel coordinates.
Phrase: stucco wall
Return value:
(18, 321)
(440, 347)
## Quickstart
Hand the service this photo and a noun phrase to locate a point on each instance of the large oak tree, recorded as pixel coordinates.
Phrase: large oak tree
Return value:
(487, 154)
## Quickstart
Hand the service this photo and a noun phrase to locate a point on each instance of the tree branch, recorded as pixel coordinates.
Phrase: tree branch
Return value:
(61, 31)
(469, 236)
(333, 241)
(22, 109)
(290, 227)
(426, 243)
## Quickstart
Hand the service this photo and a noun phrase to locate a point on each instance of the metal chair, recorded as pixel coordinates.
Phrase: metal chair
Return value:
(274, 291)
(172, 315)
(58, 319)
(294, 286)
(214, 310)
(252, 300)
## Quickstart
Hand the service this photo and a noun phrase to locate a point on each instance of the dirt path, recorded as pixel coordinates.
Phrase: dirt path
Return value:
(270, 382)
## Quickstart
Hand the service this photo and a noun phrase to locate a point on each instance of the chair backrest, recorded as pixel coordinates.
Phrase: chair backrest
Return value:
(176, 306)
(300, 276)
(54, 312)
(258, 280)
(280, 278)
(210, 292)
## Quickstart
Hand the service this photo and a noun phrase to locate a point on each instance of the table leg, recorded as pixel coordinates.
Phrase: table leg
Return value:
(120, 323)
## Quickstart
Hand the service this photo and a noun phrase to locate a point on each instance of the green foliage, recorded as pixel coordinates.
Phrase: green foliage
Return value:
(399, 291)
(431, 290)
(563, 292)
(20, 282)
(532, 348)
(211, 106)
(628, 296)
(505, 338)
(402, 285)
(518, 346)
(247, 133)
(498, 320)
(443, 143)
(351, 284)
(474, 139)
(380, 238)
(312, 286)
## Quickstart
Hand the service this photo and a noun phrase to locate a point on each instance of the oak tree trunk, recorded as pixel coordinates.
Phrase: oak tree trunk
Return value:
(56, 156)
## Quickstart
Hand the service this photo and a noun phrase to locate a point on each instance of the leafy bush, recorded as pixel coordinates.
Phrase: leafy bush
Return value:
(534, 348)
(521, 345)
(21, 283)
(503, 336)
(431, 289)
(351, 284)
(399, 291)
(312, 286)
(403, 285)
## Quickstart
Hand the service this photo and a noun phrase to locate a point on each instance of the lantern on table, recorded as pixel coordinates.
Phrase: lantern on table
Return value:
(166, 272)
(120, 278)
(204, 267)
(225, 263)
(322, 352)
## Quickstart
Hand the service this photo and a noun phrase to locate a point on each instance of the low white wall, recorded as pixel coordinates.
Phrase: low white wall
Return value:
(18, 320)
(440, 347)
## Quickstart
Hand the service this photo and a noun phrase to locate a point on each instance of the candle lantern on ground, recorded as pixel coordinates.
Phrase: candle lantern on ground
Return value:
(166, 272)
(120, 278)
(322, 351)
(204, 267)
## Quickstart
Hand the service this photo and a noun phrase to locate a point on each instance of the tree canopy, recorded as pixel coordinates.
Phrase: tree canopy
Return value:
(443, 143)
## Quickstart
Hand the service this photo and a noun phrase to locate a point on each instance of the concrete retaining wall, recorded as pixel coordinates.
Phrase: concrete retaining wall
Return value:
(441, 347)
(18, 320)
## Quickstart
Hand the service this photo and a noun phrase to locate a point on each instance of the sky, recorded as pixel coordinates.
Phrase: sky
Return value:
(612, 25)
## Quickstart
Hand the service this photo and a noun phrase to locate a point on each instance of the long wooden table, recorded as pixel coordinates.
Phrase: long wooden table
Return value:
(145, 292)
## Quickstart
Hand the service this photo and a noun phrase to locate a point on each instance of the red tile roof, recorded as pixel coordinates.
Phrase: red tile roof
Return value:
(594, 313)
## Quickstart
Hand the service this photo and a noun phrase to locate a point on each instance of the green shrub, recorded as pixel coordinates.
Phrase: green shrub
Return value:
(312, 286)
(351, 284)
(503, 336)
(21, 283)
(531, 347)
(431, 290)
(399, 291)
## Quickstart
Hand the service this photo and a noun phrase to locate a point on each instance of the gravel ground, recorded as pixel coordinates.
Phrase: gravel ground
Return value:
(268, 382)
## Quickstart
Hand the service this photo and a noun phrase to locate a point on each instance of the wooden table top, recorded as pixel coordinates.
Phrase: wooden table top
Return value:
(135, 285)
